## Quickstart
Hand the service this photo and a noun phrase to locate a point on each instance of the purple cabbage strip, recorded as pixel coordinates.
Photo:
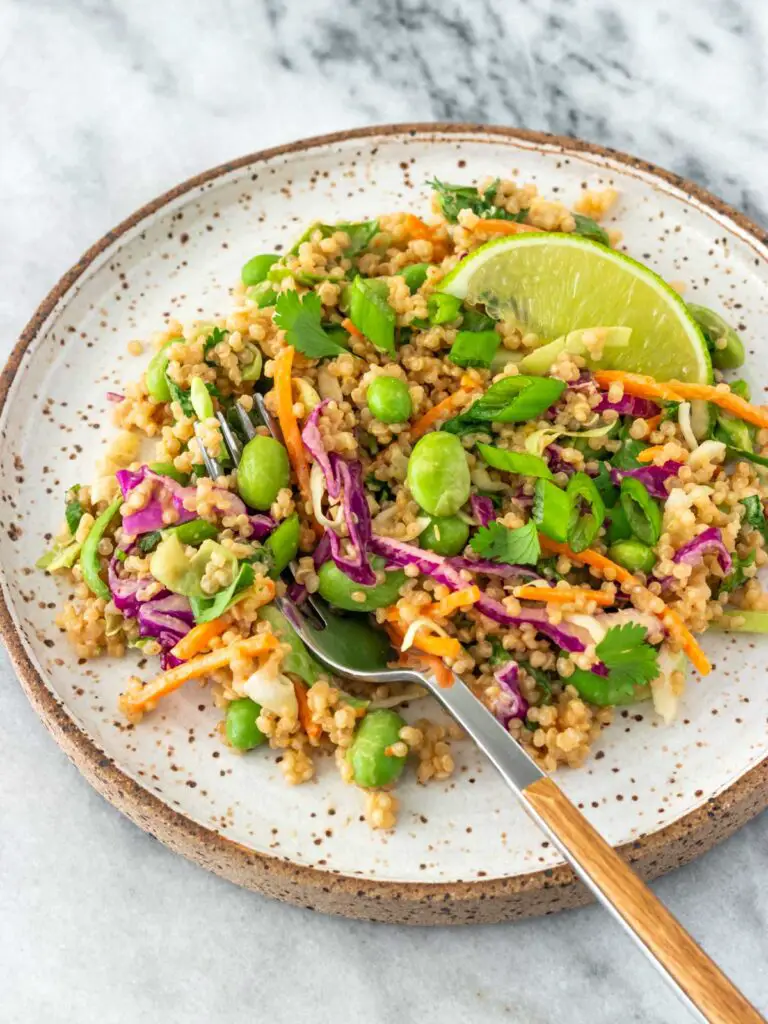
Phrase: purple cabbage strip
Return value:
(358, 519)
(482, 509)
(510, 703)
(167, 618)
(297, 592)
(322, 552)
(553, 453)
(124, 591)
(629, 405)
(441, 570)
(489, 568)
(114, 396)
(709, 542)
(262, 525)
(313, 442)
(651, 477)
(151, 516)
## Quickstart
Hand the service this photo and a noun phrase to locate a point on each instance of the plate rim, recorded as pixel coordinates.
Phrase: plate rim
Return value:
(478, 901)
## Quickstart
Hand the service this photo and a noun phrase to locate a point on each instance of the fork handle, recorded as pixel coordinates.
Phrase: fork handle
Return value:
(697, 980)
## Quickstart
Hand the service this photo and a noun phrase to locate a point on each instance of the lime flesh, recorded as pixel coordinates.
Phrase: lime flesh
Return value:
(554, 283)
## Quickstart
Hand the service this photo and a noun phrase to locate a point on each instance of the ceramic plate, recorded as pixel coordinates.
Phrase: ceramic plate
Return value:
(463, 850)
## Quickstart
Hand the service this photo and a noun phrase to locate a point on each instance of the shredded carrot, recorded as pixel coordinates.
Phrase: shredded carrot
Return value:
(435, 664)
(458, 599)
(199, 638)
(653, 422)
(287, 419)
(416, 228)
(437, 412)
(203, 665)
(491, 226)
(350, 328)
(564, 595)
(440, 646)
(678, 391)
(649, 454)
(671, 619)
(313, 729)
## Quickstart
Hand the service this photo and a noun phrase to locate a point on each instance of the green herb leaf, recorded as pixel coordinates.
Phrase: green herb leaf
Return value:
(148, 541)
(515, 462)
(629, 659)
(510, 400)
(205, 609)
(298, 661)
(477, 320)
(217, 335)
(474, 348)
(371, 313)
(754, 514)
(73, 511)
(542, 681)
(740, 453)
(180, 396)
(414, 276)
(499, 656)
(455, 198)
(737, 577)
(300, 318)
(605, 486)
(551, 510)
(588, 228)
(587, 512)
(501, 544)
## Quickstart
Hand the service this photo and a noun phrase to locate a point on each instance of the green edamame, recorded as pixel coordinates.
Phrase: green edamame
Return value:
(155, 379)
(241, 728)
(263, 471)
(371, 764)
(339, 590)
(263, 294)
(725, 346)
(438, 474)
(283, 544)
(633, 555)
(445, 535)
(256, 269)
(389, 400)
(90, 562)
(201, 401)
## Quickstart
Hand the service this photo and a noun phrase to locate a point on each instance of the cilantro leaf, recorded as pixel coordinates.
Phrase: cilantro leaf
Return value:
(300, 318)
(501, 544)
(213, 339)
(737, 577)
(73, 511)
(455, 198)
(629, 659)
(588, 228)
(371, 313)
(148, 541)
(754, 514)
(180, 396)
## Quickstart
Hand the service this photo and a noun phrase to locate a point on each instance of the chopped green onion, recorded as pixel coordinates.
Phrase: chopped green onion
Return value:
(476, 320)
(618, 525)
(642, 512)
(252, 370)
(200, 399)
(584, 524)
(415, 275)
(510, 400)
(371, 313)
(551, 510)
(737, 620)
(262, 294)
(168, 469)
(256, 269)
(522, 463)
(442, 308)
(474, 348)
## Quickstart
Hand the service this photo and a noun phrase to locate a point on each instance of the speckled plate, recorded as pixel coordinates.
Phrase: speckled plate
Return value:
(463, 849)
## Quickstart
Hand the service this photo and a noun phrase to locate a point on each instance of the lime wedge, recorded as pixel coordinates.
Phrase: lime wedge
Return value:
(554, 284)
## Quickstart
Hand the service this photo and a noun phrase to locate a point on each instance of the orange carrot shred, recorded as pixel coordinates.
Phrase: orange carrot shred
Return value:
(649, 454)
(350, 328)
(437, 412)
(564, 595)
(458, 599)
(312, 729)
(653, 422)
(491, 226)
(288, 423)
(199, 638)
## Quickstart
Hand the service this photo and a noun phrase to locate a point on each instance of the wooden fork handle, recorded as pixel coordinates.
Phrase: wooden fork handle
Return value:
(698, 978)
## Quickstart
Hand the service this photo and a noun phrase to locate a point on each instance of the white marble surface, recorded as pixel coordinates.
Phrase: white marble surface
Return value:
(105, 103)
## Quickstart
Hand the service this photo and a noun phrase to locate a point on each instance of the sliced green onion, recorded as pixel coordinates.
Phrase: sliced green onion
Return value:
(739, 453)
(618, 527)
(415, 275)
(551, 510)
(747, 621)
(262, 294)
(256, 269)
(522, 463)
(252, 370)
(371, 313)
(642, 512)
(442, 308)
(474, 348)
(200, 399)
(510, 400)
(168, 469)
(476, 320)
(584, 524)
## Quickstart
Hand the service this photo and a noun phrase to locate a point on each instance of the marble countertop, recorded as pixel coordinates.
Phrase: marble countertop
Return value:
(106, 104)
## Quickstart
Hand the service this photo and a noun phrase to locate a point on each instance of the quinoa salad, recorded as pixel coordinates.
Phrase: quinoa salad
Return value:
(548, 517)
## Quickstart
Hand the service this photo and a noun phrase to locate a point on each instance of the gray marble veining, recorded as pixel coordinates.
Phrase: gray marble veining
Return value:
(105, 103)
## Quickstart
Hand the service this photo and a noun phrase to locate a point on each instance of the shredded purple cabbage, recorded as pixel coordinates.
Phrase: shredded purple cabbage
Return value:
(708, 542)
(322, 552)
(262, 525)
(124, 591)
(313, 442)
(167, 618)
(297, 592)
(357, 517)
(114, 396)
(489, 568)
(651, 477)
(553, 453)
(442, 570)
(510, 703)
(165, 490)
(482, 509)
(629, 405)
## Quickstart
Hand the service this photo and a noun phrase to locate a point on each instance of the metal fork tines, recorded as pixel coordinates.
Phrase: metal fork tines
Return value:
(232, 442)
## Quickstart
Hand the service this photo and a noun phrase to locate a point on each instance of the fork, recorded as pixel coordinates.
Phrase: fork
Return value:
(352, 647)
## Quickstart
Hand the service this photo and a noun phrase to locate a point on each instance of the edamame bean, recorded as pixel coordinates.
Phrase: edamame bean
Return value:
(241, 728)
(726, 347)
(445, 535)
(201, 401)
(155, 379)
(256, 269)
(371, 764)
(338, 589)
(633, 555)
(389, 400)
(263, 472)
(438, 474)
